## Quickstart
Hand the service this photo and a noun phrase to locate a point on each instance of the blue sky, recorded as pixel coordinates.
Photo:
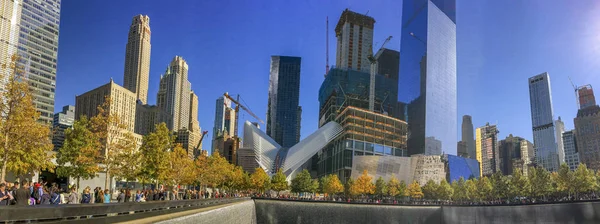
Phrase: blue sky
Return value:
(228, 45)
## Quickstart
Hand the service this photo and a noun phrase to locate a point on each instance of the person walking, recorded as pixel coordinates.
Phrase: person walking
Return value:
(127, 195)
(73, 197)
(86, 197)
(121, 196)
(99, 195)
(22, 195)
(106, 196)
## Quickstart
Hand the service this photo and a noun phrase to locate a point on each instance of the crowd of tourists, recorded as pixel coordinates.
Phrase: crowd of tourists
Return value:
(27, 193)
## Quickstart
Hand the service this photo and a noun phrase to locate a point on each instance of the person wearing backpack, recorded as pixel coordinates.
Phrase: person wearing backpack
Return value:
(86, 197)
(54, 196)
(5, 197)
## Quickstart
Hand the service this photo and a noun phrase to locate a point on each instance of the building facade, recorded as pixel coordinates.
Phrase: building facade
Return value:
(542, 113)
(488, 154)
(62, 121)
(585, 95)
(515, 152)
(364, 133)
(559, 126)
(354, 33)
(427, 80)
(223, 121)
(174, 94)
(587, 134)
(468, 136)
(38, 48)
(147, 117)
(571, 153)
(461, 149)
(137, 58)
(284, 97)
(10, 11)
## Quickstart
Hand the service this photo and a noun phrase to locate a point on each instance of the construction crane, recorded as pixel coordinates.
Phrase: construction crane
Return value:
(576, 95)
(237, 109)
(200, 142)
(373, 59)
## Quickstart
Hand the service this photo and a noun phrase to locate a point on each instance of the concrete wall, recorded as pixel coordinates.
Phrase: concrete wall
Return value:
(271, 211)
(237, 213)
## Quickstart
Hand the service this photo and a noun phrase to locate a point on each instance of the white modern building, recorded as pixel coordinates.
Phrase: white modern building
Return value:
(542, 119)
(271, 156)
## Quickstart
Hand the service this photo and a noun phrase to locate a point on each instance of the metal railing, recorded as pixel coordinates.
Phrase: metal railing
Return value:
(104, 213)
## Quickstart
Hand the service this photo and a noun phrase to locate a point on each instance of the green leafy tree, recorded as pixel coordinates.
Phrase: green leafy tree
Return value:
(430, 190)
(302, 182)
(180, 168)
(125, 159)
(25, 144)
(314, 186)
(444, 190)
(520, 184)
(500, 186)
(584, 179)
(540, 182)
(484, 189)
(564, 180)
(78, 156)
(403, 189)
(349, 189)
(472, 191)
(279, 182)
(380, 187)
(460, 189)
(154, 149)
(260, 180)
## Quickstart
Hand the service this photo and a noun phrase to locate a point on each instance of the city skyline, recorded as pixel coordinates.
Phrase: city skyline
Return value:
(209, 84)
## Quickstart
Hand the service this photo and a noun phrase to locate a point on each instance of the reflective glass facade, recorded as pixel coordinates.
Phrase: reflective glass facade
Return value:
(427, 79)
(544, 135)
(461, 167)
(38, 48)
(284, 96)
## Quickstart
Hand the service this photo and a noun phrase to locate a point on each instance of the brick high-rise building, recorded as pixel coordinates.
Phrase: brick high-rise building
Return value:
(137, 58)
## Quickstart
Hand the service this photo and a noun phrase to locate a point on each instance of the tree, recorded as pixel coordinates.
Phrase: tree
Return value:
(78, 156)
(540, 182)
(218, 172)
(314, 186)
(109, 131)
(430, 190)
(485, 189)
(403, 189)
(471, 189)
(125, 161)
(380, 187)
(564, 180)
(520, 184)
(500, 185)
(25, 144)
(364, 184)
(332, 185)
(259, 180)
(180, 168)
(584, 179)
(239, 179)
(302, 182)
(414, 190)
(279, 182)
(393, 187)
(154, 150)
(350, 189)
(444, 190)
(460, 189)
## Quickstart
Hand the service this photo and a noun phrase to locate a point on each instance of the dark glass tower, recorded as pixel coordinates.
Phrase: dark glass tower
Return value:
(284, 94)
(427, 79)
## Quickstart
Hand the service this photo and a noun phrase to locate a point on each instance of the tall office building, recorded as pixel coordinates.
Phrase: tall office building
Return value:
(515, 152)
(544, 135)
(488, 153)
(428, 73)
(38, 48)
(354, 32)
(585, 95)
(174, 94)
(147, 117)
(190, 137)
(10, 12)
(137, 58)
(284, 96)
(461, 149)
(223, 110)
(468, 137)
(587, 130)
(571, 153)
(62, 121)
(560, 128)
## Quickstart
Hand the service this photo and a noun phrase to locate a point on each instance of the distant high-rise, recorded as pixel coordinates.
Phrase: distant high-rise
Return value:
(544, 135)
(284, 96)
(354, 32)
(223, 104)
(571, 153)
(10, 12)
(137, 58)
(560, 128)
(467, 136)
(587, 134)
(174, 94)
(38, 48)
(488, 153)
(427, 81)
(585, 94)
(461, 149)
(515, 152)
(190, 137)
(62, 121)
(147, 117)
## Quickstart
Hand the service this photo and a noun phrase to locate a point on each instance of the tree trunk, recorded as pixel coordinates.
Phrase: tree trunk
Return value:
(5, 160)
(106, 179)
(78, 179)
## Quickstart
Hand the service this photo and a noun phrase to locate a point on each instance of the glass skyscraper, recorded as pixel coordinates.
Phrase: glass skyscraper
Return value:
(284, 97)
(427, 81)
(38, 48)
(544, 136)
